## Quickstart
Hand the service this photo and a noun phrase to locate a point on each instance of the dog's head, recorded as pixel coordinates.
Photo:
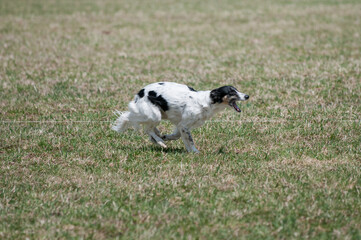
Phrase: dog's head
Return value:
(228, 95)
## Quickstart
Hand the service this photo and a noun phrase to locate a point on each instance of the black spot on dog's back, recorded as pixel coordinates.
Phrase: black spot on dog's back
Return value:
(152, 94)
(192, 89)
(158, 100)
(161, 83)
(141, 93)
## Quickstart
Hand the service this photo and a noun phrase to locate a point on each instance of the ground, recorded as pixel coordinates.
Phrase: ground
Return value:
(287, 167)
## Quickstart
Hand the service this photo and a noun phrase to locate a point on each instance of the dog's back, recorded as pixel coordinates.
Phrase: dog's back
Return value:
(152, 102)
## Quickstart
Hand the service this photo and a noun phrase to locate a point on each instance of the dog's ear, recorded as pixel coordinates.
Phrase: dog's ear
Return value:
(218, 94)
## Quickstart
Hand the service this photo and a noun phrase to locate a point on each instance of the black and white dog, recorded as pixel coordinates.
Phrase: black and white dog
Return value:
(183, 106)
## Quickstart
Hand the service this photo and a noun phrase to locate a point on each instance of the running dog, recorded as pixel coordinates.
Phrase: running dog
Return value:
(183, 106)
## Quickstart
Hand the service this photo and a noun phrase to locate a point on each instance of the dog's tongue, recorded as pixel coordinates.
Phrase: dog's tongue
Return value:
(236, 107)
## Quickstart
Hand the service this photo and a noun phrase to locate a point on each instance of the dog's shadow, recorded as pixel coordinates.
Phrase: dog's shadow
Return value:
(153, 148)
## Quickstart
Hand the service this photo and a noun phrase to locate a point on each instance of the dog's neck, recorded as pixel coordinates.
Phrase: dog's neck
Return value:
(207, 103)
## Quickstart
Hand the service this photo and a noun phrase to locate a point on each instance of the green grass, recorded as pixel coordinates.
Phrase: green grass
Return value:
(287, 167)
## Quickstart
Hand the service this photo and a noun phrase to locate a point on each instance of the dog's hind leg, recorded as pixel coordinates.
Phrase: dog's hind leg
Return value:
(174, 136)
(156, 130)
(154, 137)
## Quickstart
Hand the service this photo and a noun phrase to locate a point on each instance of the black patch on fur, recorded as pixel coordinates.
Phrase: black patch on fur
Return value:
(158, 100)
(152, 94)
(218, 94)
(192, 89)
(161, 83)
(141, 93)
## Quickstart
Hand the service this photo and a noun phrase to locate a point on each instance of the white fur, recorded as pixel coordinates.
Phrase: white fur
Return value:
(187, 110)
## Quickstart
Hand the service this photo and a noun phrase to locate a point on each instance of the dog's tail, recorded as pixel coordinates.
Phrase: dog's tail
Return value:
(123, 122)
(140, 112)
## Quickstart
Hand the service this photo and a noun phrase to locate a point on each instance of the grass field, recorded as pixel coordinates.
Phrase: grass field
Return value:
(287, 167)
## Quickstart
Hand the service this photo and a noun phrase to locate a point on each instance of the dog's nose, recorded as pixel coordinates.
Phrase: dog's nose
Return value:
(246, 97)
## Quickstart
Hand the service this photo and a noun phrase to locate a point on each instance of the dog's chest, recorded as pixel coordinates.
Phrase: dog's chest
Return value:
(198, 116)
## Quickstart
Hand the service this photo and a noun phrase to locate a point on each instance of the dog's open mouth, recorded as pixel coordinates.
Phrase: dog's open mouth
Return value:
(235, 106)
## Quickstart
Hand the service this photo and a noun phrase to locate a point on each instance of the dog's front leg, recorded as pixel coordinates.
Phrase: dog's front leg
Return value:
(188, 140)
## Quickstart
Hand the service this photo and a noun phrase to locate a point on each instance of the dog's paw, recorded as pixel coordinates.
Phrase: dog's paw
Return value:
(157, 143)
